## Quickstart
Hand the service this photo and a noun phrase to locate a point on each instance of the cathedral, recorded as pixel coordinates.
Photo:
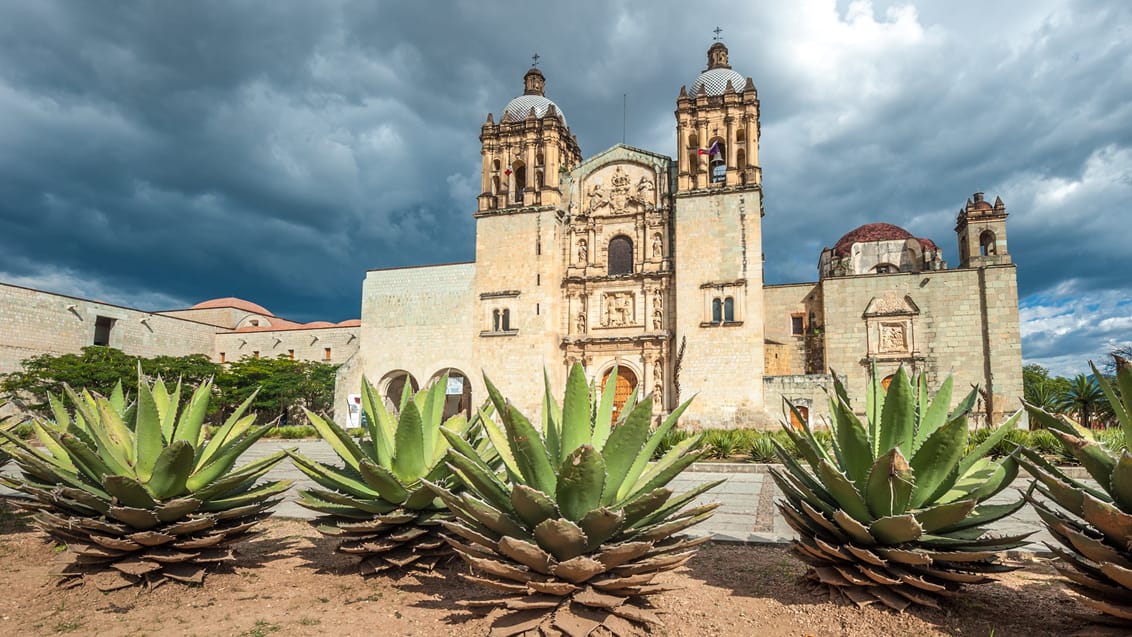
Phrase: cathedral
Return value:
(635, 262)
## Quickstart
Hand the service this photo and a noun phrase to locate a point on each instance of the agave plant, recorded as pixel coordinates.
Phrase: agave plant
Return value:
(377, 502)
(136, 492)
(583, 523)
(896, 512)
(9, 425)
(1093, 524)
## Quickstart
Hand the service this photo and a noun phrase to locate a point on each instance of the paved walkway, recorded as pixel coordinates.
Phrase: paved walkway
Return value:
(748, 513)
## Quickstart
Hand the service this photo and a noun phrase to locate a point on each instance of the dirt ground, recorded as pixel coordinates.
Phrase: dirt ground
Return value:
(289, 582)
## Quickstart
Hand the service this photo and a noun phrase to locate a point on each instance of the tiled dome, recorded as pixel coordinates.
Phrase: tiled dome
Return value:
(715, 80)
(233, 302)
(868, 233)
(518, 108)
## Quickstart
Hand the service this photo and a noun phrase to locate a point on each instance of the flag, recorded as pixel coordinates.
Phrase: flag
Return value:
(507, 172)
(714, 150)
(701, 151)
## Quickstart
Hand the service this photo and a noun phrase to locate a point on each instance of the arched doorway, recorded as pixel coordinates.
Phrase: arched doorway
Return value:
(626, 383)
(395, 386)
(457, 392)
(802, 411)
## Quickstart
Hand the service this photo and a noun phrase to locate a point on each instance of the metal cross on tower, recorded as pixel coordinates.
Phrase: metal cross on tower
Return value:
(717, 31)
(534, 60)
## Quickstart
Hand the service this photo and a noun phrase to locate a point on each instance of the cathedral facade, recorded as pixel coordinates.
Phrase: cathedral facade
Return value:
(651, 266)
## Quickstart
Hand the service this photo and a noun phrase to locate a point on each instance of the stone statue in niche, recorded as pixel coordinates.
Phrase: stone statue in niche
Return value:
(583, 251)
(618, 309)
(657, 319)
(580, 326)
(893, 338)
(657, 246)
(658, 393)
(646, 191)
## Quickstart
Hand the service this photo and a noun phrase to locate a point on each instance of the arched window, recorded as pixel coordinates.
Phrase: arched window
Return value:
(495, 185)
(538, 180)
(741, 135)
(885, 268)
(740, 159)
(620, 256)
(495, 164)
(716, 310)
(987, 245)
(519, 174)
(538, 158)
(495, 320)
(728, 309)
(717, 159)
(396, 382)
(693, 141)
(457, 392)
(505, 324)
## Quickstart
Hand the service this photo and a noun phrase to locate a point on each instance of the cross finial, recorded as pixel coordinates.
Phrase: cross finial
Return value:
(534, 60)
(717, 37)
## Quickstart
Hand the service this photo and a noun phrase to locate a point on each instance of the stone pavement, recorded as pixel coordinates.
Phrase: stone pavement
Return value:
(747, 513)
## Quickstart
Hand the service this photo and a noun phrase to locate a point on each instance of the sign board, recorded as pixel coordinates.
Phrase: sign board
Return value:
(353, 411)
(455, 386)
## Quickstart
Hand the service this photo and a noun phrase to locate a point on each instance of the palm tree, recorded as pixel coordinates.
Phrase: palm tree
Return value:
(1084, 396)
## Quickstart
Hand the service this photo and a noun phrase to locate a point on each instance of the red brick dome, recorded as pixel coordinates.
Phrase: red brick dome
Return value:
(871, 232)
(231, 301)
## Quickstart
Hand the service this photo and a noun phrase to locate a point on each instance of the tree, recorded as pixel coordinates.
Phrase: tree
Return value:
(1084, 397)
(1042, 390)
(286, 386)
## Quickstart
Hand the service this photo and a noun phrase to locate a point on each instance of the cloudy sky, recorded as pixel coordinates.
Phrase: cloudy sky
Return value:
(157, 154)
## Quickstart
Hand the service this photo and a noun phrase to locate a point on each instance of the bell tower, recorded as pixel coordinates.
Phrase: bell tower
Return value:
(981, 229)
(717, 128)
(526, 154)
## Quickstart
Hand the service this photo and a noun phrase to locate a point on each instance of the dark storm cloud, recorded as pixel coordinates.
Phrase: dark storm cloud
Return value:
(164, 153)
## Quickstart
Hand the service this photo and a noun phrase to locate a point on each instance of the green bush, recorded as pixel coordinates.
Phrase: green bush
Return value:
(726, 443)
(762, 448)
(293, 432)
(1113, 439)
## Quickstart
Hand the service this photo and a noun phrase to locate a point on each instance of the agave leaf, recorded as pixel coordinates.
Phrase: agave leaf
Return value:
(383, 481)
(117, 398)
(576, 429)
(47, 439)
(341, 442)
(670, 465)
(481, 479)
(623, 448)
(62, 418)
(498, 439)
(842, 489)
(532, 506)
(224, 459)
(171, 470)
(1006, 470)
(433, 412)
(937, 458)
(896, 529)
(231, 428)
(1120, 482)
(561, 538)
(247, 473)
(190, 425)
(1092, 456)
(257, 495)
(966, 405)
(852, 443)
(674, 504)
(984, 448)
(945, 515)
(1114, 398)
(148, 441)
(581, 481)
(643, 505)
(982, 515)
(457, 423)
(898, 416)
(599, 525)
(129, 492)
(551, 420)
(530, 454)
(1041, 468)
(889, 485)
(116, 435)
(642, 460)
(490, 517)
(603, 420)
(936, 415)
(409, 456)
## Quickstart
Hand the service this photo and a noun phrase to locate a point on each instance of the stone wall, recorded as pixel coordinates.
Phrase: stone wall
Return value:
(34, 322)
(965, 323)
(332, 345)
(718, 254)
(804, 391)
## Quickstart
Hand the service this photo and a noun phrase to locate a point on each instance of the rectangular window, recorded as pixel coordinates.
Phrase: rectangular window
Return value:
(222, 358)
(536, 309)
(291, 354)
(326, 354)
(102, 327)
(538, 279)
(797, 325)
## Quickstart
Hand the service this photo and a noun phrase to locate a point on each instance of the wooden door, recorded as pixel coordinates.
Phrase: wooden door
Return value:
(626, 382)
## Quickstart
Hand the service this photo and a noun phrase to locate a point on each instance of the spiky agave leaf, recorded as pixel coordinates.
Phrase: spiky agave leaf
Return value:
(897, 513)
(8, 424)
(1093, 525)
(136, 492)
(582, 523)
(376, 502)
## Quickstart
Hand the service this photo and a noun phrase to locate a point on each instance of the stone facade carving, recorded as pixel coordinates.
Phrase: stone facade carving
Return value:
(657, 246)
(623, 196)
(618, 309)
(583, 251)
(893, 337)
(580, 326)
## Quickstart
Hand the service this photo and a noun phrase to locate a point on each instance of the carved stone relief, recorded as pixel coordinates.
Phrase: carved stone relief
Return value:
(583, 251)
(622, 195)
(893, 337)
(580, 327)
(619, 309)
(657, 246)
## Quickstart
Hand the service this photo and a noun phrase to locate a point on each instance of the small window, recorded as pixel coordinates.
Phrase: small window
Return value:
(256, 353)
(291, 354)
(223, 358)
(506, 322)
(716, 311)
(326, 354)
(495, 164)
(495, 324)
(797, 325)
(729, 310)
(102, 327)
(254, 322)
(620, 255)
(536, 309)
